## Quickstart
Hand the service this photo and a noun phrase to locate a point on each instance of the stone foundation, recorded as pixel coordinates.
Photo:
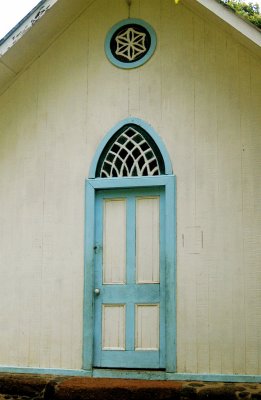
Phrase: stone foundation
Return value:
(47, 387)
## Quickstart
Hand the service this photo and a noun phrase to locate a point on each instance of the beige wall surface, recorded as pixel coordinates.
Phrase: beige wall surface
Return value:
(201, 93)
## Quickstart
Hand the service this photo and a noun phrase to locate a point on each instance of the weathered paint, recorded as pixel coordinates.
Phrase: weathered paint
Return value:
(25, 25)
(201, 92)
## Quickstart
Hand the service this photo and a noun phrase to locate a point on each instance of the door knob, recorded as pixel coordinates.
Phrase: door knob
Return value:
(97, 291)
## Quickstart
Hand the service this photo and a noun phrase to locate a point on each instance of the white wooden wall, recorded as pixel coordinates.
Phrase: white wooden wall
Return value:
(201, 92)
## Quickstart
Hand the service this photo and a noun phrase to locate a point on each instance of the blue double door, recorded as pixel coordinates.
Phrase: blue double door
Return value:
(129, 279)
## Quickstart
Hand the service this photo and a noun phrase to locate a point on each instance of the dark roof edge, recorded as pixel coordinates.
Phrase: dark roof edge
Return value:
(9, 34)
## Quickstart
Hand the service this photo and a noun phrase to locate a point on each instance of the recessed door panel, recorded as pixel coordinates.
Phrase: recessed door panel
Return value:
(147, 240)
(114, 241)
(113, 327)
(147, 327)
(129, 295)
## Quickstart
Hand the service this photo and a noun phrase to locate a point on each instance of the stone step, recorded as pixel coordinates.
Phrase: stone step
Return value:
(49, 387)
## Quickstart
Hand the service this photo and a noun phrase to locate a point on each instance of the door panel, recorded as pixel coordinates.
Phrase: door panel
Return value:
(147, 239)
(113, 327)
(129, 307)
(114, 241)
(147, 327)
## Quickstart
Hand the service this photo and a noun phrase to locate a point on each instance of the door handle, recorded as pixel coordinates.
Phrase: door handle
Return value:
(97, 291)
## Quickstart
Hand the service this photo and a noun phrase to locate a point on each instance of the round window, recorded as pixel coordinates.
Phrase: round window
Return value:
(130, 43)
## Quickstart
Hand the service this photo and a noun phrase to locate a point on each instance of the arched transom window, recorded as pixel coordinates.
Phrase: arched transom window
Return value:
(130, 152)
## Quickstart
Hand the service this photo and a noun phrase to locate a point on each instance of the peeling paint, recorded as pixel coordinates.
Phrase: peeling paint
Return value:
(24, 25)
(28, 26)
(40, 14)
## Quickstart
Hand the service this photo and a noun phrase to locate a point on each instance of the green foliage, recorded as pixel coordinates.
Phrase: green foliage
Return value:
(249, 11)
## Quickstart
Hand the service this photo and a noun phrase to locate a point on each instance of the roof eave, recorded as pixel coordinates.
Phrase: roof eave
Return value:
(24, 25)
(34, 34)
(239, 24)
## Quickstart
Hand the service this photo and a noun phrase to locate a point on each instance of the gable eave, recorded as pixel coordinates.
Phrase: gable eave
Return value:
(239, 24)
(34, 34)
(24, 25)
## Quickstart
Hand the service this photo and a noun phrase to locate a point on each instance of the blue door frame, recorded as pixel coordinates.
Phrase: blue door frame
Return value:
(167, 183)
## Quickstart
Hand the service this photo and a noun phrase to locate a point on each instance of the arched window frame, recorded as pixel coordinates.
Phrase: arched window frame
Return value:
(149, 131)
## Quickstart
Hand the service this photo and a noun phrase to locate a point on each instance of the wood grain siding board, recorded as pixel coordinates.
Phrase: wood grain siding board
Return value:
(233, 154)
(150, 89)
(207, 191)
(201, 173)
(245, 125)
(229, 189)
(19, 181)
(105, 103)
(256, 201)
(178, 119)
(172, 121)
(251, 145)
(134, 76)
(62, 227)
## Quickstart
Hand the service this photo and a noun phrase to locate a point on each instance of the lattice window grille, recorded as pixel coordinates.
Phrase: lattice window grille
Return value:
(130, 155)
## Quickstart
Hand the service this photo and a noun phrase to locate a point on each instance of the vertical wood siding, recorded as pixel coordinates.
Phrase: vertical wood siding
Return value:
(201, 93)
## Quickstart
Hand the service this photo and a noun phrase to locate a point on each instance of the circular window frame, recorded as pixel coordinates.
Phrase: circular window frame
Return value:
(134, 64)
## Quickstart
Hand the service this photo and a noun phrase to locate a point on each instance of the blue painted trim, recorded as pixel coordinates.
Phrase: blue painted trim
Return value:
(168, 183)
(171, 291)
(137, 182)
(162, 375)
(47, 371)
(213, 377)
(98, 213)
(146, 375)
(88, 277)
(163, 280)
(148, 128)
(133, 64)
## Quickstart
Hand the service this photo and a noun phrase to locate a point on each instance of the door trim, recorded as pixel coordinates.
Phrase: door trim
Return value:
(168, 182)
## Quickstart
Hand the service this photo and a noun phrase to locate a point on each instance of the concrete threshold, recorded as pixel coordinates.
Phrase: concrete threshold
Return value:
(50, 387)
